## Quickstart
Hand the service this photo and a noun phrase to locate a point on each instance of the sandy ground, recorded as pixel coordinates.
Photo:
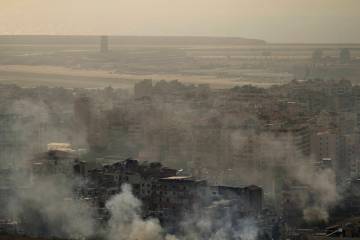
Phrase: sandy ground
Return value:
(27, 76)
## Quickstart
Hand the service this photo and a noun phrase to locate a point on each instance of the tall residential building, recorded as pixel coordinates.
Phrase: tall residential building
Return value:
(10, 141)
(325, 145)
(317, 55)
(104, 44)
(345, 55)
(341, 149)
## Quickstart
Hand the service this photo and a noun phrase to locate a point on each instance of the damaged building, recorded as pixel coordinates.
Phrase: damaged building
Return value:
(165, 193)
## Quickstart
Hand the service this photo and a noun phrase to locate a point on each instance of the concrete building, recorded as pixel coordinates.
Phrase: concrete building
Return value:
(10, 142)
(165, 194)
(340, 149)
(104, 44)
(351, 155)
(298, 134)
(325, 145)
(317, 55)
(59, 159)
(345, 55)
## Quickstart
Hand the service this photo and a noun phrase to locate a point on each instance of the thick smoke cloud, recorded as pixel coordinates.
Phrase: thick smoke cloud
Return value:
(229, 149)
(37, 123)
(216, 225)
(46, 205)
(260, 158)
(52, 209)
(49, 208)
(126, 222)
(323, 185)
(281, 153)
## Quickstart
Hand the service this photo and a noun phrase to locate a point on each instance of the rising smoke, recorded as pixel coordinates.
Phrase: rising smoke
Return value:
(126, 222)
(49, 208)
(46, 205)
(52, 209)
(277, 155)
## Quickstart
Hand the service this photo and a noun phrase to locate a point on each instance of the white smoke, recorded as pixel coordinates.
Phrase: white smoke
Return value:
(49, 208)
(323, 186)
(223, 223)
(45, 205)
(126, 222)
(272, 154)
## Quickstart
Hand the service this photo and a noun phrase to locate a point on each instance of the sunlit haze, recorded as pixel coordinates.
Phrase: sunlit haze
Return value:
(297, 21)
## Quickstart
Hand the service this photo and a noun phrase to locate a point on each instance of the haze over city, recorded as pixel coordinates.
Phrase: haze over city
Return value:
(179, 120)
(277, 21)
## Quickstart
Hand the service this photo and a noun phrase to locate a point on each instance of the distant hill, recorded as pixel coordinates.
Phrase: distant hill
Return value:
(127, 40)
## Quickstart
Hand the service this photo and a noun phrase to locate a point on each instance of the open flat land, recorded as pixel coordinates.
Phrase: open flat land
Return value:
(77, 62)
(30, 76)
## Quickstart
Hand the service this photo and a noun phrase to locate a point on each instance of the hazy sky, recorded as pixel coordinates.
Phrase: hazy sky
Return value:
(271, 20)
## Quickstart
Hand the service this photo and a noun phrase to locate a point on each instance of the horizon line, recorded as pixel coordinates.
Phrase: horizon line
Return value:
(179, 36)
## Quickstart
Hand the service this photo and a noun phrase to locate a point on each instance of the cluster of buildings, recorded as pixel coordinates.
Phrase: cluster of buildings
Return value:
(243, 136)
(313, 123)
(166, 194)
(344, 56)
(320, 118)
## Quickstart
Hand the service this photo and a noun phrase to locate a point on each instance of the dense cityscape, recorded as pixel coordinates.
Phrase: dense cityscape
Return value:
(285, 157)
(179, 120)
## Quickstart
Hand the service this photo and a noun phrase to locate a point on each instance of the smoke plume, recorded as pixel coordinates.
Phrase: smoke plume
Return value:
(126, 222)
